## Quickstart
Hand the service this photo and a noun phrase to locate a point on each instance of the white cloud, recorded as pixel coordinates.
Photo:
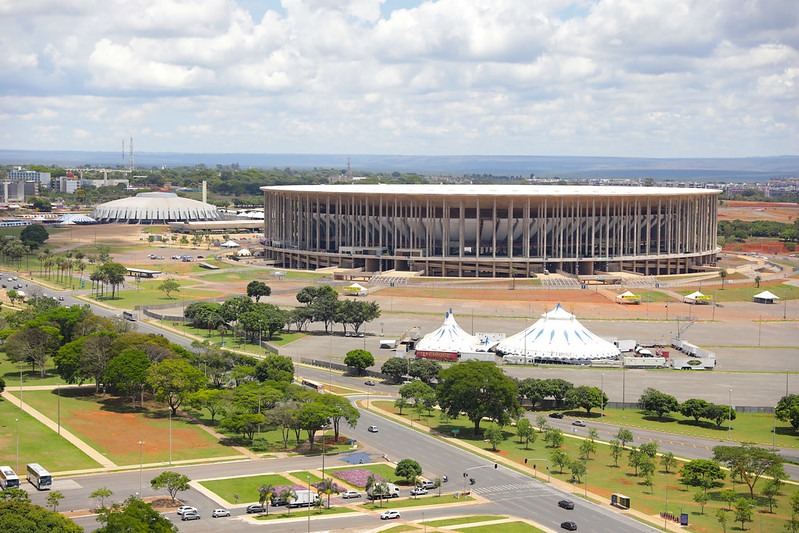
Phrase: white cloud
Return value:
(608, 77)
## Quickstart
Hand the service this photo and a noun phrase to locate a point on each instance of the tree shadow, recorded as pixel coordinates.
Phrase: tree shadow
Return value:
(703, 424)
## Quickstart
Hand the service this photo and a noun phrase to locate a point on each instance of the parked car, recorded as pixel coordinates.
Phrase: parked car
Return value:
(186, 508)
(60, 298)
(372, 429)
(347, 494)
(566, 504)
(578, 423)
(190, 515)
(426, 484)
(570, 526)
(555, 415)
(220, 513)
(369, 382)
(418, 491)
(255, 508)
(389, 515)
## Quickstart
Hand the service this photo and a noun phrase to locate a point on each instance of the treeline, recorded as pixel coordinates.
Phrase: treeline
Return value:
(739, 230)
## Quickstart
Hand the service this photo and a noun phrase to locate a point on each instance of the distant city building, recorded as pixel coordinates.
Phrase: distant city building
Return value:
(491, 230)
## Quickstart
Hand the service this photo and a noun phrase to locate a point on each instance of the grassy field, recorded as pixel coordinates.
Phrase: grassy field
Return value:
(463, 520)
(384, 471)
(275, 514)
(735, 293)
(506, 527)
(37, 444)
(130, 298)
(83, 413)
(245, 487)
(237, 275)
(603, 478)
(10, 374)
(278, 339)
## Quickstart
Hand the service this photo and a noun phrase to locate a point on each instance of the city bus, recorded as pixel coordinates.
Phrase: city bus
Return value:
(8, 478)
(318, 387)
(129, 315)
(39, 477)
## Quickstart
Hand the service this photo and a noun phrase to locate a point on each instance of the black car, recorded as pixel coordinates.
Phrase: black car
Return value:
(566, 504)
(255, 508)
(569, 526)
(555, 415)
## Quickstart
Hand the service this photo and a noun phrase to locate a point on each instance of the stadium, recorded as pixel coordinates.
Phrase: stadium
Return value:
(154, 208)
(491, 230)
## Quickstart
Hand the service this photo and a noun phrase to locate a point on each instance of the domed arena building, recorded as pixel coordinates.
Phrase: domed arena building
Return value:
(154, 208)
(492, 230)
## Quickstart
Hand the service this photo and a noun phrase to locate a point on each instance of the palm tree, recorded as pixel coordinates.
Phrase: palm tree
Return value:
(328, 487)
(758, 279)
(265, 495)
(288, 495)
(371, 482)
(722, 275)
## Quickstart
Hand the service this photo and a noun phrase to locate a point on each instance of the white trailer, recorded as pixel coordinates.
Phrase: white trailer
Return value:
(305, 498)
(625, 345)
(389, 344)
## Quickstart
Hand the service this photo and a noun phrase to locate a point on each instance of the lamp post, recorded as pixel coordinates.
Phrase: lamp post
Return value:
(141, 444)
(309, 503)
(623, 384)
(170, 437)
(602, 394)
(58, 391)
(729, 422)
(17, 421)
(665, 514)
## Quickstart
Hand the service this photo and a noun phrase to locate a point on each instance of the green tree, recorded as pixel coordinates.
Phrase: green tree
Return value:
(586, 398)
(168, 286)
(578, 470)
(719, 414)
(19, 516)
(788, 410)
(15, 494)
(258, 289)
(409, 469)
(558, 388)
(127, 373)
(33, 343)
(495, 436)
(215, 401)
(34, 236)
(355, 313)
(668, 461)
(54, 498)
(275, 368)
(400, 403)
(722, 518)
(750, 462)
(174, 380)
(654, 401)
(396, 367)
(624, 436)
(100, 495)
(743, 512)
(694, 408)
(245, 424)
(616, 451)
(339, 408)
(481, 390)
(559, 459)
(723, 275)
(134, 515)
(587, 447)
(359, 360)
(554, 437)
(636, 458)
(650, 449)
(701, 472)
(701, 498)
(288, 495)
(729, 496)
(770, 492)
(171, 481)
(526, 432)
(265, 494)
(327, 487)
(425, 370)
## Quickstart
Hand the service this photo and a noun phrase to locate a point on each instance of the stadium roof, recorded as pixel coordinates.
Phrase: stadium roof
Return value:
(154, 208)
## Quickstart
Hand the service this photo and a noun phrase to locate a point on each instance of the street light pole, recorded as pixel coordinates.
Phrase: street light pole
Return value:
(141, 444)
(729, 422)
(309, 503)
(17, 420)
(170, 437)
(602, 393)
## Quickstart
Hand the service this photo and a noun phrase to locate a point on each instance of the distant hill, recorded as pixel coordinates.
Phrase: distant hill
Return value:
(696, 169)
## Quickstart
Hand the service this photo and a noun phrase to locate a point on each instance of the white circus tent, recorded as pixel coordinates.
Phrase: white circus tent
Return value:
(557, 337)
(450, 337)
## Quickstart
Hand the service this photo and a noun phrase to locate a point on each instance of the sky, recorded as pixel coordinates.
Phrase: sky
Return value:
(628, 78)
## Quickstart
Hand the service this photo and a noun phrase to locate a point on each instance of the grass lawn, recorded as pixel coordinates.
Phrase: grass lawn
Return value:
(463, 520)
(245, 487)
(404, 503)
(400, 528)
(654, 296)
(238, 275)
(603, 478)
(304, 474)
(123, 427)
(506, 527)
(37, 444)
(736, 293)
(128, 299)
(10, 373)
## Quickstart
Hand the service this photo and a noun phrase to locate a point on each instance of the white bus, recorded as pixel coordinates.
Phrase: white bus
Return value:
(39, 477)
(8, 478)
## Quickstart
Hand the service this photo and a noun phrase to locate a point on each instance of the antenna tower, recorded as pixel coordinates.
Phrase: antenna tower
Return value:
(132, 166)
(349, 170)
(123, 153)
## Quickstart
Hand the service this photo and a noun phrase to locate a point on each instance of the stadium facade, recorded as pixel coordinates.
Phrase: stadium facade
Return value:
(491, 230)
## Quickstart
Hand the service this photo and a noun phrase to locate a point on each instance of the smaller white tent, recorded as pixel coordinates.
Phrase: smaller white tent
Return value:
(244, 252)
(230, 244)
(449, 338)
(696, 298)
(356, 289)
(765, 297)
(628, 298)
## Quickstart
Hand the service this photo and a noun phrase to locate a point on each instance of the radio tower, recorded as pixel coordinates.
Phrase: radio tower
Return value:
(132, 166)
(123, 153)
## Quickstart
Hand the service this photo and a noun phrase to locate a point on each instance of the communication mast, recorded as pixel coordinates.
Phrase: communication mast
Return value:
(132, 166)
(123, 153)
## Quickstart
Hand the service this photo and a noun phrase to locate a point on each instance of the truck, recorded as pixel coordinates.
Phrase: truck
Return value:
(625, 345)
(388, 343)
(392, 491)
(305, 498)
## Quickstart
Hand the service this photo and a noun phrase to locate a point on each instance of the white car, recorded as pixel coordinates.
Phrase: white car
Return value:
(219, 513)
(372, 429)
(183, 509)
(389, 515)
(418, 491)
(578, 423)
(347, 494)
